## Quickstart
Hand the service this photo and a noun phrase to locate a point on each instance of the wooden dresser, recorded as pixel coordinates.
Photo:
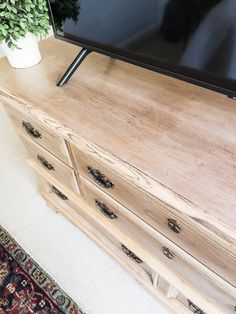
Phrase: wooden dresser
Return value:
(144, 164)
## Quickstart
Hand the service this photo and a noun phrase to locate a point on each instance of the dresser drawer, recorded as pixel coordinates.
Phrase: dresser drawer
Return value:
(211, 295)
(145, 271)
(189, 304)
(126, 222)
(176, 297)
(141, 271)
(63, 201)
(160, 216)
(44, 137)
(197, 308)
(53, 166)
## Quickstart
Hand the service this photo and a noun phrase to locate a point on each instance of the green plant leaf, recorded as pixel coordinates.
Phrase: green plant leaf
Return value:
(18, 17)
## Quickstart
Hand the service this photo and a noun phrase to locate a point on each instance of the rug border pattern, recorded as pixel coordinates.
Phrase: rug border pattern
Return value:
(38, 275)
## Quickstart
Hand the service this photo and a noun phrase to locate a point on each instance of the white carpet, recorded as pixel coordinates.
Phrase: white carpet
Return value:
(92, 278)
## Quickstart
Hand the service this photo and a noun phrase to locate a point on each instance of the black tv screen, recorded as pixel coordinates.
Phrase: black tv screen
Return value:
(194, 40)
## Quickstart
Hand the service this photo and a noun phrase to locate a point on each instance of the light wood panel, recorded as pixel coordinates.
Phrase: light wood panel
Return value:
(128, 178)
(169, 148)
(44, 137)
(150, 232)
(157, 214)
(108, 247)
(50, 164)
(180, 135)
(101, 225)
(205, 223)
(149, 241)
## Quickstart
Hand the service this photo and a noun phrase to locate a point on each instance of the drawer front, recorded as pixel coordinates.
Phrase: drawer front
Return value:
(141, 268)
(160, 216)
(197, 308)
(53, 166)
(176, 297)
(43, 137)
(189, 304)
(211, 294)
(121, 218)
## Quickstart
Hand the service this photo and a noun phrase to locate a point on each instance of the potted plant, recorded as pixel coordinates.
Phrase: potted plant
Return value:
(21, 22)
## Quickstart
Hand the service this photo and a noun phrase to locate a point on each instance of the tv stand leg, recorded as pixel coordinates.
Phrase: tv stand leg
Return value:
(74, 66)
(232, 97)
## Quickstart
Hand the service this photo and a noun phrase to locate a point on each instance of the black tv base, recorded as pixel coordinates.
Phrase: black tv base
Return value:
(232, 97)
(74, 66)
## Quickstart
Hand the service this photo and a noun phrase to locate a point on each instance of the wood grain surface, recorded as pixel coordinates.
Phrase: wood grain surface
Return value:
(197, 245)
(203, 292)
(181, 137)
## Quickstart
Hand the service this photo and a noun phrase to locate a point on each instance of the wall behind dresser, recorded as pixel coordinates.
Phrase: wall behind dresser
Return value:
(2, 53)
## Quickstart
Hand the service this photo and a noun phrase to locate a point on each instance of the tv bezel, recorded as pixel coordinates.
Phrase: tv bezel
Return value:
(126, 57)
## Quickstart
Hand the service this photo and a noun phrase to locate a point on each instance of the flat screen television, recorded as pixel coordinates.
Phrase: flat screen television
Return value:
(193, 40)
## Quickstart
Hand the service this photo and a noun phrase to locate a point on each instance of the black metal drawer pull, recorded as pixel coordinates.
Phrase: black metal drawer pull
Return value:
(195, 309)
(31, 130)
(105, 210)
(100, 178)
(131, 255)
(45, 163)
(174, 226)
(168, 253)
(59, 193)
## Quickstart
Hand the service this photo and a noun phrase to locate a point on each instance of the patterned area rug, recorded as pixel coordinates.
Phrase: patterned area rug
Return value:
(25, 288)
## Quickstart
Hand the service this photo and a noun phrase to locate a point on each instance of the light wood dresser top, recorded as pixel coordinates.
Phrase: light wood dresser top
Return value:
(180, 137)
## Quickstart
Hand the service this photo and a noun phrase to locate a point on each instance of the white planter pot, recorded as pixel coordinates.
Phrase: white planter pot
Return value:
(25, 57)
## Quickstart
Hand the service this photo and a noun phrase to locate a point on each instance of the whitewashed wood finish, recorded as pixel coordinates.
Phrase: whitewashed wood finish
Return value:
(207, 302)
(103, 242)
(215, 229)
(163, 285)
(206, 223)
(170, 142)
(150, 233)
(48, 139)
(150, 240)
(182, 135)
(61, 171)
(155, 278)
(156, 214)
(172, 293)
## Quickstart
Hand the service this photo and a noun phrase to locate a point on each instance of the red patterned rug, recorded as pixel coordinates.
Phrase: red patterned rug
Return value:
(25, 288)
